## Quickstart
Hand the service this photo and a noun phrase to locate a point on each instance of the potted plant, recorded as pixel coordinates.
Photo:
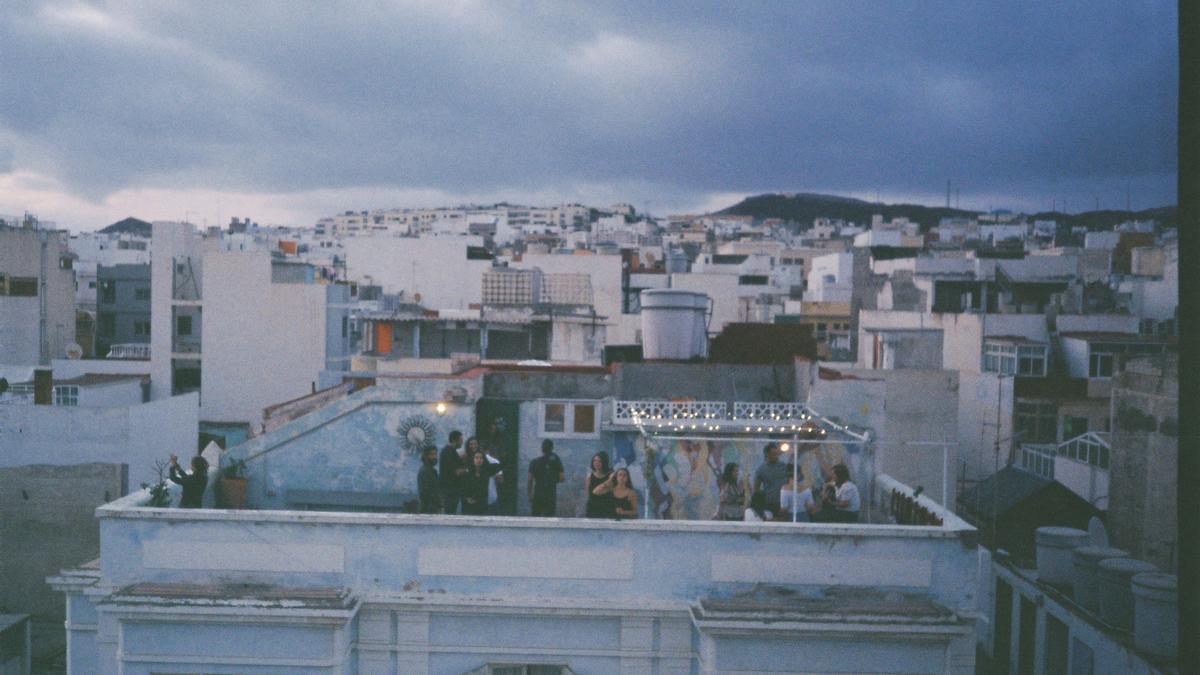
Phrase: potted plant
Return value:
(233, 485)
(160, 494)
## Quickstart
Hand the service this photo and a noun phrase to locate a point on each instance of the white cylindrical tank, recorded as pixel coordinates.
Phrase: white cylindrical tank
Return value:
(1054, 546)
(1156, 613)
(1116, 594)
(1086, 581)
(674, 324)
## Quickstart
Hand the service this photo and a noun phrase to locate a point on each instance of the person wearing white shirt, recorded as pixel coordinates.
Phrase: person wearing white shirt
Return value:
(846, 502)
(806, 504)
(758, 513)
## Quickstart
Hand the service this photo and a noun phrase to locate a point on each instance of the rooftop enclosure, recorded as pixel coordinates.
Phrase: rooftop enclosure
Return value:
(277, 588)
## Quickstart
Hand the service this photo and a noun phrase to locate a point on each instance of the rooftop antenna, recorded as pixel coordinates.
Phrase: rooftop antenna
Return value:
(947, 193)
(956, 202)
(1127, 200)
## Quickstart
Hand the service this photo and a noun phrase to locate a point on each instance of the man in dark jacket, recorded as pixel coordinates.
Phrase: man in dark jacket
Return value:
(545, 473)
(451, 469)
(428, 490)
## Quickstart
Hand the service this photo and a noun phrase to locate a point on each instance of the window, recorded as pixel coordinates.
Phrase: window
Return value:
(522, 669)
(20, 287)
(554, 417)
(141, 294)
(585, 419)
(570, 418)
(91, 284)
(1009, 359)
(1074, 426)
(141, 327)
(1100, 364)
(108, 291)
(108, 325)
(66, 395)
(183, 325)
(1037, 422)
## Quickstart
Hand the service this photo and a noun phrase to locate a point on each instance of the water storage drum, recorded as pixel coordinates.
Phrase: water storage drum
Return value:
(1087, 573)
(1116, 596)
(1156, 613)
(1054, 546)
(674, 324)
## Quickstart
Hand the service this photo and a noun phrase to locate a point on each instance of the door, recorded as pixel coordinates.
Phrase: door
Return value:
(497, 428)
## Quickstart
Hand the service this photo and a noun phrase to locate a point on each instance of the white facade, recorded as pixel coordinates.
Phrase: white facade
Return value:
(605, 274)
(175, 288)
(831, 278)
(435, 269)
(264, 342)
(37, 295)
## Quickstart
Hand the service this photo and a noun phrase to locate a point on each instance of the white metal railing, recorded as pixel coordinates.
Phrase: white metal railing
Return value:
(132, 351)
(1038, 459)
(627, 412)
(758, 410)
(1089, 448)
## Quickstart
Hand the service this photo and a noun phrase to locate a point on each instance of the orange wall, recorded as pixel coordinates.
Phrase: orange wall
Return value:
(383, 338)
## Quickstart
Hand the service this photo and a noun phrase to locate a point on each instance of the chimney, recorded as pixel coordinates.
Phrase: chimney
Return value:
(43, 386)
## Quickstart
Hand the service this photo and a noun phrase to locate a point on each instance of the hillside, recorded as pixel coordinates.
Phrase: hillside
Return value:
(129, 225)
(802, 208)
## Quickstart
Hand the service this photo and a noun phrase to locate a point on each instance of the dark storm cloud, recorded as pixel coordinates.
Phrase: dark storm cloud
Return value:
(1019, 100)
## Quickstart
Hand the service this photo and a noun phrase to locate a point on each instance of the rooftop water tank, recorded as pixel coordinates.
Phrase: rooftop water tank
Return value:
(1054, 546)
(674, 324)
(1087, 570)
(1156, 613)
(1116, 596)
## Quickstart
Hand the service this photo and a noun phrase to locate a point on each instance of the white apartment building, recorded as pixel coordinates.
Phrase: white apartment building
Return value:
(93, 249)
(436, 272)
(37, 294)
(831, 278)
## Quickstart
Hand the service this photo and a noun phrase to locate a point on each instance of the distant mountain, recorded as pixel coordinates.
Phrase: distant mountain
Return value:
(802, 208)
(130, 225)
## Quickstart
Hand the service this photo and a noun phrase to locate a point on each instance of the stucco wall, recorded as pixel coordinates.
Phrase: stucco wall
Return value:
(47, 522)
(263, 343)
(136, 435)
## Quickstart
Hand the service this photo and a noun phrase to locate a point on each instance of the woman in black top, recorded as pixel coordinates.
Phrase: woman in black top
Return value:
(193, 483)
(625, 499)
(475, 485)
(599, 504)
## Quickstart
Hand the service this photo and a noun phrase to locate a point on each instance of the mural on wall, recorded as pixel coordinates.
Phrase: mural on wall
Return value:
(415, 433)
(682, 474)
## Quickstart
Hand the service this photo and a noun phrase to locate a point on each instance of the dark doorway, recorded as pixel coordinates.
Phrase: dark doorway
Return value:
(1002, 628)
(1056, 646)
(1027, 639)
(497, 427)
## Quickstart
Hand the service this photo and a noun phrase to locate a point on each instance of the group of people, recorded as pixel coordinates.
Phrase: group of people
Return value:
(468, 478)
(774, 494)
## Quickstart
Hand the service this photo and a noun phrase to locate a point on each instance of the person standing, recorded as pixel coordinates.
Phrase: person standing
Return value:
(475, 485)
(451, 469)
(625, 499)
(193, 483)
(733, 495)
(846, 502)
(599, 504)
(428, 490)
(771, 476)
(494, 442)
(495, 472)
(545, 473)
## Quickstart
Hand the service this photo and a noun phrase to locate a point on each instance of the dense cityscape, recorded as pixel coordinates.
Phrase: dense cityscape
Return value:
(490, 338)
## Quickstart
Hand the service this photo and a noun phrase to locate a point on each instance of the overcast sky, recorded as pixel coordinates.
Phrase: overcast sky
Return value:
(285, 112)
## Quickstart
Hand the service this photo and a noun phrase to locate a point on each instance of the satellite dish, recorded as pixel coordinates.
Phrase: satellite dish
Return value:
(1097, 532)
(74, 351)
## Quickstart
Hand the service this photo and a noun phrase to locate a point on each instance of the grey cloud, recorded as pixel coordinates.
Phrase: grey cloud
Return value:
(1016, 99)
